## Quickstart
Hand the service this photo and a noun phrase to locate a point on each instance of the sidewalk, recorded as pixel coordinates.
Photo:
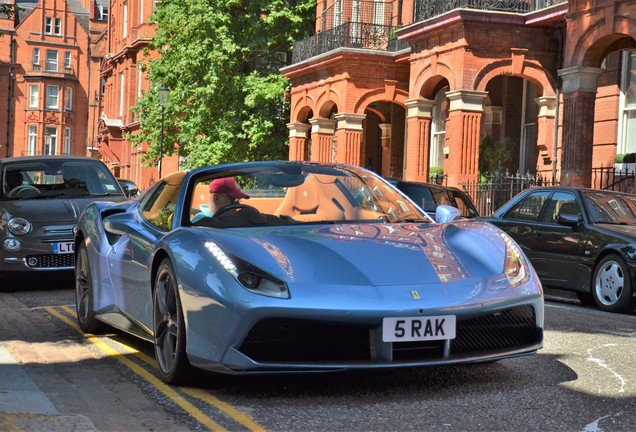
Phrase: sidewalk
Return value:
(24, 407)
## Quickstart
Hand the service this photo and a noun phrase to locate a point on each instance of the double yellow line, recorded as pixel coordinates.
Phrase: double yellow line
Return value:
(173, 393)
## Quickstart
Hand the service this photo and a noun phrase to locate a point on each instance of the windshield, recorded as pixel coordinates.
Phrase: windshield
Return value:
(608, 207)
(299, 193)
(54, 178)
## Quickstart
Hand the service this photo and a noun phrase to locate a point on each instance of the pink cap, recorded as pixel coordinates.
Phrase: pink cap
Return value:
(228, 186)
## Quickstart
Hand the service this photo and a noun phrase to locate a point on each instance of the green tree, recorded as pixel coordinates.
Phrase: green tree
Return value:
(221, 60)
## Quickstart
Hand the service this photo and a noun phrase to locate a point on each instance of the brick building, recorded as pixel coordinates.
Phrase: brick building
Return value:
(49, 76)
(129, 32)
(403, 86)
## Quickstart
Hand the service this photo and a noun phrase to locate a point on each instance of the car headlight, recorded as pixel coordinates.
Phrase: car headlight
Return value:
(516, 267)
(12, 244)
(19, 226)
(250, 277)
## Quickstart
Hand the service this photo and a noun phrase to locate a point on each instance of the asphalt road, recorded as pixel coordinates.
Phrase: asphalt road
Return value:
(584, 379)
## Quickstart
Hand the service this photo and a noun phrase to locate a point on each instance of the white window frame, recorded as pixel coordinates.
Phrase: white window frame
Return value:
(52, 97)
(51, 63)
(122, 89)
(32, 140)
(68, 99)
(50, 140)
(36, 57)
(627, 107)
(67, 141)
(103, 12)
(141, 11)
(53, 26)
(68, 58)
(125, 20)
(34, 95)
(140, 78)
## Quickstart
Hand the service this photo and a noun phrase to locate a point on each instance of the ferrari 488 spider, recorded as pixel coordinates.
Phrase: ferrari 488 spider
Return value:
(317, 267)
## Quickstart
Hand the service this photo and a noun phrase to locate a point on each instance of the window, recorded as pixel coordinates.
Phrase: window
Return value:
(140, 78)
(67, 60)
(53, 25)
(627, 115)
(32, 140)
(68, 99)
(52, 96)
(50, 140)
(51, 60)
(121, 94)
(141, 11)
(36, 57)
(34, 95)
(125, 20)
(103, 12)
(561, 203)
(529, 208)
(67, 141)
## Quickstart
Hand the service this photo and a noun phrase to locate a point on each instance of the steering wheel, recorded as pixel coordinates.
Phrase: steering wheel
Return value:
(19, 190)
(232, 207)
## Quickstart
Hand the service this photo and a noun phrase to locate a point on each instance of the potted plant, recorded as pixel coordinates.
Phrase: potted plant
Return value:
(625, 162)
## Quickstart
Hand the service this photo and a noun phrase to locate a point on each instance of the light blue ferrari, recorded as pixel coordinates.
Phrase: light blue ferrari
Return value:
(301, 267)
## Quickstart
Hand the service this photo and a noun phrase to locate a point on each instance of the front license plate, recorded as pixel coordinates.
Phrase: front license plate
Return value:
(408, 329)
(63, 247)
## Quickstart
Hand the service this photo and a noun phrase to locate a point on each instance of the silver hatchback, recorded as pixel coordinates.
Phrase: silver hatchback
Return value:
(41, 199)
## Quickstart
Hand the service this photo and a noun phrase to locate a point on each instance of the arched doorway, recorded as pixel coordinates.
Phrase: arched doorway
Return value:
(383, 138)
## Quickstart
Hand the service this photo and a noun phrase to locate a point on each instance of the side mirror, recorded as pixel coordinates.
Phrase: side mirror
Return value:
(445, 213)
(570, 219)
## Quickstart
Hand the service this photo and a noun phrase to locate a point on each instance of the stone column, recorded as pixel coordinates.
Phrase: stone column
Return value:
(298, 141)
(322, 134)
(348, 139)
(463, 135)
(579, 98)
(385, 143)
(545, 130)
(418, 138)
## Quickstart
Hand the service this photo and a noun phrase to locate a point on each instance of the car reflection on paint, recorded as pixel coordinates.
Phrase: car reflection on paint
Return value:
(324, 267)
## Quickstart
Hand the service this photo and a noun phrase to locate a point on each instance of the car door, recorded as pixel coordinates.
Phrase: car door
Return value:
(558, 249)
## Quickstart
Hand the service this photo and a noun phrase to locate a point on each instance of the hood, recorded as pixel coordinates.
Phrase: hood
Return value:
(370, 254)
(44, 211)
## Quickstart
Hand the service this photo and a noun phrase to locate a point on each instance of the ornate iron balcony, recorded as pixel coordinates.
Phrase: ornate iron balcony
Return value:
(427, 9)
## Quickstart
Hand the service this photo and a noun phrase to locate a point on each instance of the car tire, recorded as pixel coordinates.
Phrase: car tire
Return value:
(84, 292)
(169, 327)
(586, 299)
(612, 285)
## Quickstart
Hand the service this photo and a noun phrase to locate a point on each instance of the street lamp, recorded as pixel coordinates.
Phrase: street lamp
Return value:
(163, 99)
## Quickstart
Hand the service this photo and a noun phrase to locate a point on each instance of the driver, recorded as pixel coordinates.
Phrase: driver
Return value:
(225, 210)
(13, 179)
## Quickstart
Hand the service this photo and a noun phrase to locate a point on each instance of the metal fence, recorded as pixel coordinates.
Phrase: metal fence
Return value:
(491, 192)
(426, 9)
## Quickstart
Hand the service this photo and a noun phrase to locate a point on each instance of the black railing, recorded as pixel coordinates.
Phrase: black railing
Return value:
(349, 35)
(611, 179)
(427, 9)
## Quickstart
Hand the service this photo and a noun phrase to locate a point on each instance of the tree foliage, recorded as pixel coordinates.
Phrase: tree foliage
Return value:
(221, 60)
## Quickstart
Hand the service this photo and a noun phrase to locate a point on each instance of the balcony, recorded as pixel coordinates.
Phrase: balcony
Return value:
(371, 25)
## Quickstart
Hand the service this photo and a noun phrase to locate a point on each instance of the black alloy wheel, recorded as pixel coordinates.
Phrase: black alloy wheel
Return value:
(84, 293)
(169, 327)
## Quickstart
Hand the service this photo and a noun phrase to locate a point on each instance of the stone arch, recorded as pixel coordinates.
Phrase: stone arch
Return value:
(545, 82)
(422, 84)
(303, 115)
(379, 95)
(327, 108)
(597, 51)
(300, 105)
(326, 101)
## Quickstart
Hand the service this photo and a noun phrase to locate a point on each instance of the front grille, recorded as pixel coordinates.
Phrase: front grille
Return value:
(51, 260)
(506, 329)
(290, 340)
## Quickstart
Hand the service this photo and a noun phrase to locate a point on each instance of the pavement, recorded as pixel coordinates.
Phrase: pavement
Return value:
(24, 406)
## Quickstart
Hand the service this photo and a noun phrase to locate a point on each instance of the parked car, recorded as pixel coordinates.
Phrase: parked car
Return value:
(41, 199)
(583, 240)
(130, 188)
(428, 196)
(324, 267)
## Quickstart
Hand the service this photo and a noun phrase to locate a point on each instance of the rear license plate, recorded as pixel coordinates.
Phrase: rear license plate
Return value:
(407, 329)
(63, 248)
